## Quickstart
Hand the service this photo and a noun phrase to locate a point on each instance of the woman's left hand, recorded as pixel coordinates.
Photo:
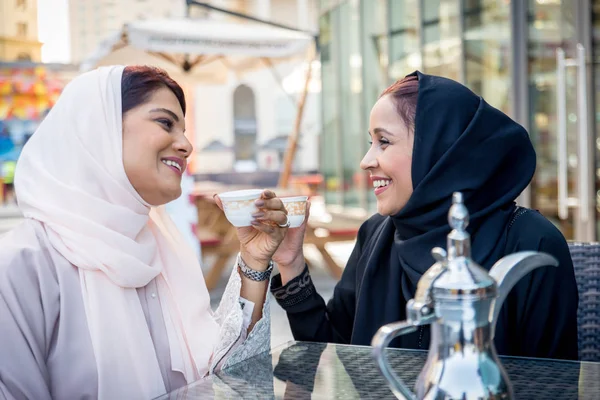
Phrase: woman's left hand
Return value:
(259, 242)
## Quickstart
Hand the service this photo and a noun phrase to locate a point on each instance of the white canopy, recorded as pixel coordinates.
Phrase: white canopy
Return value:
(201, 49)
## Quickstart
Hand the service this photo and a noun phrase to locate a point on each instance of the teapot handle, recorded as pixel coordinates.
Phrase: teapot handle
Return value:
(380, 341)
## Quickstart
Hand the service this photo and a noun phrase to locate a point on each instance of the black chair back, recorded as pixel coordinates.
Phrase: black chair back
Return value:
(586, 261)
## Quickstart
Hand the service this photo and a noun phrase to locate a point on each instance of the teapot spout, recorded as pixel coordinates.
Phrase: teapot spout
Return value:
(510, 269)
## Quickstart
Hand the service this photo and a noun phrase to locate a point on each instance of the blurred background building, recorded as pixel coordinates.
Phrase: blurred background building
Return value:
(509, 52)
(28, 88)
(91, 21)
(19, 31)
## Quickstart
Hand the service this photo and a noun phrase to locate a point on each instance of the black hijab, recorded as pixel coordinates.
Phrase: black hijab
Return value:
(461, 144)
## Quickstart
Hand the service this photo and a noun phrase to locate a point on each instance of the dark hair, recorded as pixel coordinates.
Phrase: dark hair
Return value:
(139, 82)
(405, 92)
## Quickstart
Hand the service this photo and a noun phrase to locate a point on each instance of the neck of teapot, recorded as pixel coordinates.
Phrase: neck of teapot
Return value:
(458, 241)
(458, 245)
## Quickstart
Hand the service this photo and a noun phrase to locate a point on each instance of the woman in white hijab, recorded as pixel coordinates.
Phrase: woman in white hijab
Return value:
(99, 295)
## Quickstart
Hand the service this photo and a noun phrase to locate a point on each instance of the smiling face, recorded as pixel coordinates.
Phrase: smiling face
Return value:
(389, 159)
(155, 149)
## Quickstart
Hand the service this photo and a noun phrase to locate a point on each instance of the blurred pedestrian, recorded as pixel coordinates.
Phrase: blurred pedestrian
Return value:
(8, 178)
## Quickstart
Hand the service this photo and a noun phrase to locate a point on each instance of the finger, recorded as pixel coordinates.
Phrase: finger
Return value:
(218, 201)
(270, 204)
(278, 217)
(268, 194)
(259, 226)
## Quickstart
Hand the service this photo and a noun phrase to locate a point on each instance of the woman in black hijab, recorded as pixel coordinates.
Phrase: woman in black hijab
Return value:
(431, 137)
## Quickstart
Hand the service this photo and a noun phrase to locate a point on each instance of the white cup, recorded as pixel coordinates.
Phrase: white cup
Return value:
(296, 209)
(239, 206)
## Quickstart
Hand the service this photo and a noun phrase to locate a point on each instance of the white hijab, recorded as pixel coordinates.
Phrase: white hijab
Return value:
(70, 176)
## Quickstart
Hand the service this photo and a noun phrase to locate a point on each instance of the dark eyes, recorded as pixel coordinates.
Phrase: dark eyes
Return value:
(382, 141)
(166, 123)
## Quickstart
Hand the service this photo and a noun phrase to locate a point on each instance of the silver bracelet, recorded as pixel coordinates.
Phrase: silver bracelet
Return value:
(258, 276)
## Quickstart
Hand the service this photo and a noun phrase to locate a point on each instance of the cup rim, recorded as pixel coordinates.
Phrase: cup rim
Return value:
(294, 199)
(237, 195)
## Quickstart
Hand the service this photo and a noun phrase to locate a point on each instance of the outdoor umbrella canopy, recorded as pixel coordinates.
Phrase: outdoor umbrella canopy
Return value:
(202, 50)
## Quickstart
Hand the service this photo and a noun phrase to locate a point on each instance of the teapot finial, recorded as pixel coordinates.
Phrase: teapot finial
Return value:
(458, 217)
(459, 240)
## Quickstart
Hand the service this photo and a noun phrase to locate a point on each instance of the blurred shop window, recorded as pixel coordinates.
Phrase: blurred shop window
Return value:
(24, 57)
(487, 50)
(350, 70)
(22, 29)
(442, 52)
(245, 126)
(404, 50)
(375, 54)
(330, 156)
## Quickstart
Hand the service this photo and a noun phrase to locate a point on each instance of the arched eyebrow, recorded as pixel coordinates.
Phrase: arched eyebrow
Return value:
(382, 131)
(167, 111)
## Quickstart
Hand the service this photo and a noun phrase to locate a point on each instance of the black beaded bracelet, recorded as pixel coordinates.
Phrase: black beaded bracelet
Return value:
(258, 276)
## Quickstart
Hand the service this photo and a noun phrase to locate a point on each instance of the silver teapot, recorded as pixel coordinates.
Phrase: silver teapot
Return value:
(461, 301)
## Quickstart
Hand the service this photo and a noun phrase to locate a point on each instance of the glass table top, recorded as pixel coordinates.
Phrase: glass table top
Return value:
(303, 370)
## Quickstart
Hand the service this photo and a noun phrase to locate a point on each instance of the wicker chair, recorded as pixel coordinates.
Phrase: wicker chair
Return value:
(586, 260)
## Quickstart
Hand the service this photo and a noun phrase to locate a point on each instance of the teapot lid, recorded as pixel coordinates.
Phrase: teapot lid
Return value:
(462, 277)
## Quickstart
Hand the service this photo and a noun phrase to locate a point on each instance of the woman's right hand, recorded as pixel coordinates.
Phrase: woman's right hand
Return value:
(289, 255)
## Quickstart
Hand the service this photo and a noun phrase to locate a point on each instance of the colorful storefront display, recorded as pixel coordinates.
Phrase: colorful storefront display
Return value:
(26, 96)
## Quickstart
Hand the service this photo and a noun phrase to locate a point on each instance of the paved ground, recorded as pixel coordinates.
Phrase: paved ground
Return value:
(280, 331)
